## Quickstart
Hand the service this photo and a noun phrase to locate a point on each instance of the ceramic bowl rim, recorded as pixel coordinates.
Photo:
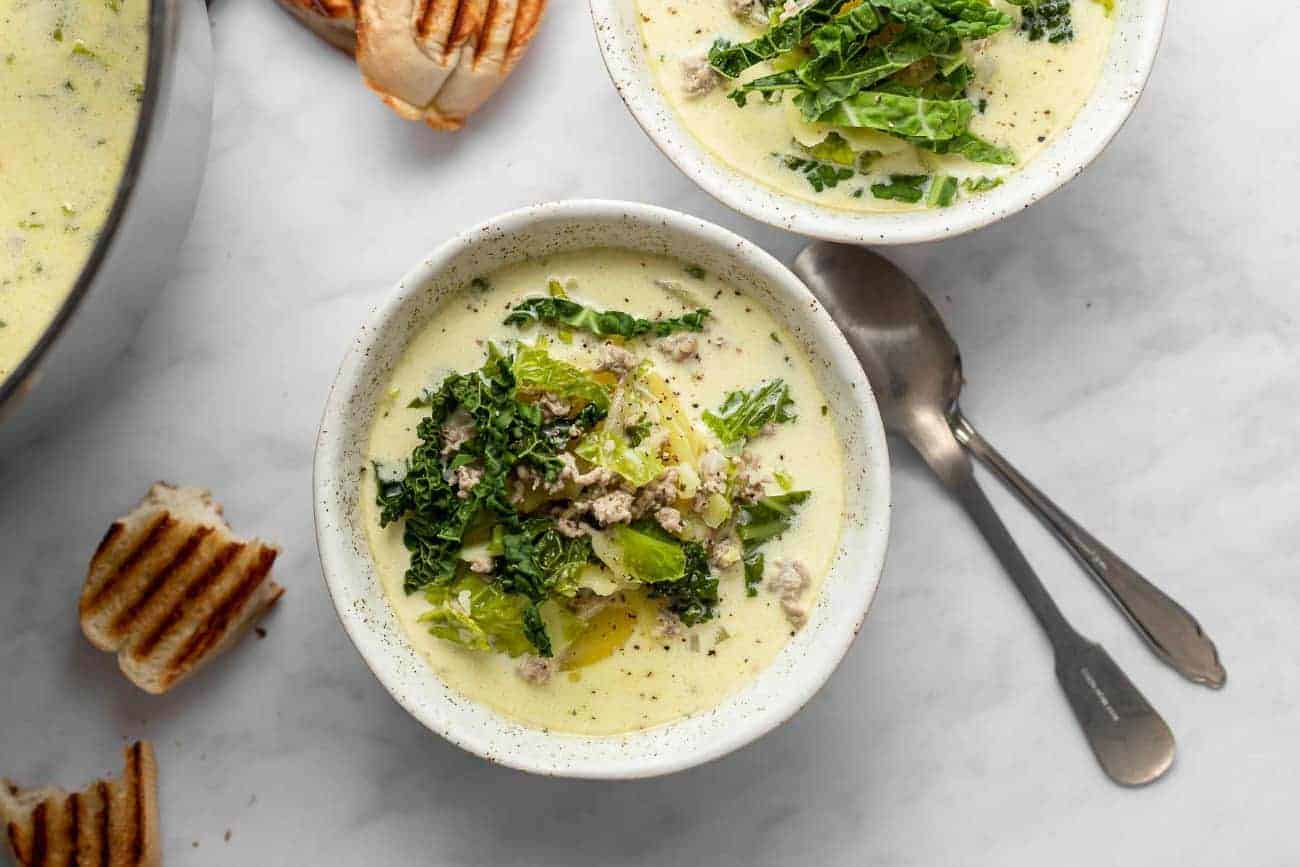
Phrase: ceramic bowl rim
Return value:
(334, 536)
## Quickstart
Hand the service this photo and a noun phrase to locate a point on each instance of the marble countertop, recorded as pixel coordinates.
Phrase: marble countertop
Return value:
(1131, 343)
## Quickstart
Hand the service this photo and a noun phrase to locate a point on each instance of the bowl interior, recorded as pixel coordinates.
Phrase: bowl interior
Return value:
(350, 573)
(1138, 26)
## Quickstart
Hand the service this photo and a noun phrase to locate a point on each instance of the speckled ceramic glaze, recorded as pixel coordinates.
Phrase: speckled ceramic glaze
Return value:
(809, 658)
(1138, 26)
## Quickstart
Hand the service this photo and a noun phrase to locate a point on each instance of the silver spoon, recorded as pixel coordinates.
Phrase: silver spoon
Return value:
(915, 369)
(1172, 632)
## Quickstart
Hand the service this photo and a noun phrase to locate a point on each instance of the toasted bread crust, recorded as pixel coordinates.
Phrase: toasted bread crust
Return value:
(335, 21)
(507, 30)
(431, 60)
(170, 587)
(109, 822)
(527, 20)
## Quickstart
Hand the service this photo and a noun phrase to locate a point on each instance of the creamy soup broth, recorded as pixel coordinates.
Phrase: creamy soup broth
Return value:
(649, 681)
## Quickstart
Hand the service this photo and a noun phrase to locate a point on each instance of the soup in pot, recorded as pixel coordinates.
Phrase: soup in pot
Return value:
(71, 81)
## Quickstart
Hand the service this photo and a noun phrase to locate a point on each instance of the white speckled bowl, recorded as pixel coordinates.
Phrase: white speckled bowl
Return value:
(350, 574)
(1138, 26)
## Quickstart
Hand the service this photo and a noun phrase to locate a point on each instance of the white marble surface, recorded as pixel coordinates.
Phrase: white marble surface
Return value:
(1132, 343)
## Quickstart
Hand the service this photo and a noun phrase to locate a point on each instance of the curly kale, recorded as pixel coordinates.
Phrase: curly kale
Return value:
(507, 433)
(1046, 19)
(694, 596)
(539, 561)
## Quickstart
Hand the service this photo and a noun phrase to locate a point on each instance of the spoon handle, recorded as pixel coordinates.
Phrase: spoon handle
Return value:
(1131, 741)
(1168, 628)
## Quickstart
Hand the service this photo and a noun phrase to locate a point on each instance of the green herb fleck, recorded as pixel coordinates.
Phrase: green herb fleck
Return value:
(81, 49)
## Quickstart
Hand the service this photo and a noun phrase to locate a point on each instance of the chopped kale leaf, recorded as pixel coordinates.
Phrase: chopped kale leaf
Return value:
(601, 323)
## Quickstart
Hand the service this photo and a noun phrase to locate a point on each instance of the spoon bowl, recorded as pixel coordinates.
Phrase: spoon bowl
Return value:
(910, 358)
(915, 366)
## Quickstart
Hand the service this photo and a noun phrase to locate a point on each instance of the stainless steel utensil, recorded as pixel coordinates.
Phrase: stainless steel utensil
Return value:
(1168, 628)
(915, 369)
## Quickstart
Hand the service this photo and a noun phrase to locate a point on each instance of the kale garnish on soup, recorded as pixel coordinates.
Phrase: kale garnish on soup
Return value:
(543, 491)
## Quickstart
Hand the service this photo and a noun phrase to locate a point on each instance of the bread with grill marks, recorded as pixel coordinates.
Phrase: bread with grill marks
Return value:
(170, 587)
(113, 823)
(435, 61)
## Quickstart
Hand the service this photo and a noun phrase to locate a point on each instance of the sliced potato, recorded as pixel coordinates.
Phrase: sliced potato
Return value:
(608, 631)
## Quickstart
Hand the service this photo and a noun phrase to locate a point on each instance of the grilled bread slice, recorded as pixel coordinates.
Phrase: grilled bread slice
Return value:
(170, 587)
(407, 49)
(110, 822)
(431, 60)
(508, 27)
(335, 21)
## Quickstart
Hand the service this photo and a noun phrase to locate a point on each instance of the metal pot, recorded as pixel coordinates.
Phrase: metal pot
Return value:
(137, 248)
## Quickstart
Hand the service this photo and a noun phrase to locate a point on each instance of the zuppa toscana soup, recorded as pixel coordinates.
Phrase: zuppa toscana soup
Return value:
(603, 490)
(876, 105)
(71, 76)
